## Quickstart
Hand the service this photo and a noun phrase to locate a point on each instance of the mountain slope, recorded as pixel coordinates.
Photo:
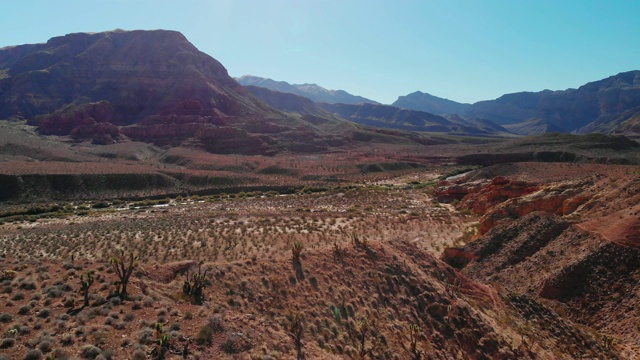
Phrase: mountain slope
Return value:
(404, 119)
(432, 104)
(150, 86)
(590, 108)
(138, 72)
(572, 240)
(310, 91)
(533, 126)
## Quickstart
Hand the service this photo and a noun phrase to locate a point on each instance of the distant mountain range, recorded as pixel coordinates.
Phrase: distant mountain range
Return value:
(155, 86)
(426, 102)
(600, 106)
(310, 91)
(377, 115)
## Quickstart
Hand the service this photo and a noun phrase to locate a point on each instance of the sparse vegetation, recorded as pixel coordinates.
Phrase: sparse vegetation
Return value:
(371, 286)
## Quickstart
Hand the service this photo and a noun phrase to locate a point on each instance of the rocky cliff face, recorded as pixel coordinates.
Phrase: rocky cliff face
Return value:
(139, 72)
(152, 86)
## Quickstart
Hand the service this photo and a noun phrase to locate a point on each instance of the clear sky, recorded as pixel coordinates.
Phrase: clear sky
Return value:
(464, 50)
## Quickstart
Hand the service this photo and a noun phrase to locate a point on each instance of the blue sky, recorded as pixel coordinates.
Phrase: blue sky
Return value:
(464, 50)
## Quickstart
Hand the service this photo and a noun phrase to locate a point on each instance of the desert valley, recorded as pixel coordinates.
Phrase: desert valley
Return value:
(152, 206)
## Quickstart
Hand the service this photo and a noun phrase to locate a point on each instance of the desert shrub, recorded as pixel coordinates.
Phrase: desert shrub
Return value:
(115, 301)
(7, 343)
(24, 330)
(205, 335)
(103, 311)
(145, 336)
(161, 312)
(129, 317)
(54, 291)
(119, 325)
(106, 354)
(66, 339)
(28, 285)
(60, 325)
(60, 354)
(44, 313)
(6, 317)
(69, 303)
(235, 343)
(33, 354)
(90, 351)
(45, 346)
(139, 354)
(216, 324)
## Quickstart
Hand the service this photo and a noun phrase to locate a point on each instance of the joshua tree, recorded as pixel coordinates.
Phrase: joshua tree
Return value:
(295, 329)
(364, 336)
(123, 266)
(85, 283)
(296, 249)
(412, 348)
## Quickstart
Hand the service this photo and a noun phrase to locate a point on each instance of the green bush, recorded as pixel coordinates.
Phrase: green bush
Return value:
(205, 335)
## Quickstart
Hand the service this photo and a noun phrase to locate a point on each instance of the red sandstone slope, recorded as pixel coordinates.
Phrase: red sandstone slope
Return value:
(574, 242)
(151, 86)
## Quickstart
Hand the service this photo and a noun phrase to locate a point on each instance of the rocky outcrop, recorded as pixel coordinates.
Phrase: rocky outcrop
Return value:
(480, 195)
(503, 199)
(95, 121)
(559, 199)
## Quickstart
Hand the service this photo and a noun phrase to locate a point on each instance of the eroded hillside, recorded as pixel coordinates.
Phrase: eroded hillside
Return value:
(568, 235)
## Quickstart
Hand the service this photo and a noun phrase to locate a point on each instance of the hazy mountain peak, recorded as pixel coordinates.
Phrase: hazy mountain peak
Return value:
(422, 101)
(311, 91)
